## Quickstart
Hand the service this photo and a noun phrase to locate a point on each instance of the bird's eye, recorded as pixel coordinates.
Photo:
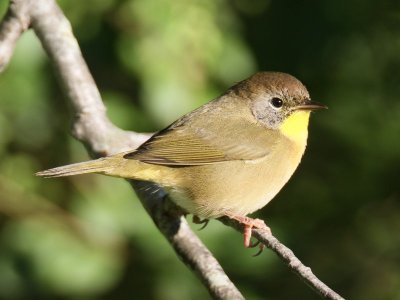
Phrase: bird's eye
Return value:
(276, 103)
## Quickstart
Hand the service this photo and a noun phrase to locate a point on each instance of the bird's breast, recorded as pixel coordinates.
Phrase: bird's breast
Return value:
(237, 187)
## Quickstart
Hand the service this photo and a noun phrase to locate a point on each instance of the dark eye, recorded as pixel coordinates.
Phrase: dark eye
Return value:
(276, 102)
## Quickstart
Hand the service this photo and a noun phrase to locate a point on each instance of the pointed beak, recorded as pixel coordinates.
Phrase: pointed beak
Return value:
(311, 105)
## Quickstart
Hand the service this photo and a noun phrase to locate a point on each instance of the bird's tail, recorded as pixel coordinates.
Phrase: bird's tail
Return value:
(116, 166)
(101, 165)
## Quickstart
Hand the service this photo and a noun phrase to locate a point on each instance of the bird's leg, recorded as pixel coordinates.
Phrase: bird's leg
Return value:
(249, 224)
(197, 220)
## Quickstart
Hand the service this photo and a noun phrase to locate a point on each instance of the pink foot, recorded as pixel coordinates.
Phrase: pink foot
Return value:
(249, 224)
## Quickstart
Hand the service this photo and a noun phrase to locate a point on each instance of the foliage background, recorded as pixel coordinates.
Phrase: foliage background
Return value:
(88, 237)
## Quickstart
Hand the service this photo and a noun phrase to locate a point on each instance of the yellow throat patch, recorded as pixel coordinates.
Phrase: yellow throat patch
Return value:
(295, 126)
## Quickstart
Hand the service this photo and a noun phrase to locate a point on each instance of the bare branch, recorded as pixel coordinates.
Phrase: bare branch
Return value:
(296, 265)
(94, 129)
(91, 125)
(15, 22)
(171, 222)
(265, 237)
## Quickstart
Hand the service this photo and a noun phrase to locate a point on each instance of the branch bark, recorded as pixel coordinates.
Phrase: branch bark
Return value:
(15, 22)
(92, 127)
(296, 266)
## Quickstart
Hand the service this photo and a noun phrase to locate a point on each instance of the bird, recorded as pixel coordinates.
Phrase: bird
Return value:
(227, 158)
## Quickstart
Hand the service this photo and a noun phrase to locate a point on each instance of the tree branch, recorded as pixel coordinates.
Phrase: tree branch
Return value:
(14, 23)
(296, 266)
(91, 125)
(171, 222)
(101, 137)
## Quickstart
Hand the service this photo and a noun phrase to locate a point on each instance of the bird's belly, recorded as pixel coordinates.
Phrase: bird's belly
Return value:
(235, 187)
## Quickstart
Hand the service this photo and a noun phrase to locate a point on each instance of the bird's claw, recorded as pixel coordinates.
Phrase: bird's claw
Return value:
(248, 225)
(197, 220)
(261, 248)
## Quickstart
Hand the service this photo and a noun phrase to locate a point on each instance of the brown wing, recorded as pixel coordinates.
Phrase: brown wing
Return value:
(207, 139)
(166, 150)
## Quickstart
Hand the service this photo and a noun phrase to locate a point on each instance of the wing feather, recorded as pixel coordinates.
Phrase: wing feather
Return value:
(198, 140)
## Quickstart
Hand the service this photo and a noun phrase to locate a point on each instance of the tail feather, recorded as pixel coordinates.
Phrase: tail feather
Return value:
(93, 166)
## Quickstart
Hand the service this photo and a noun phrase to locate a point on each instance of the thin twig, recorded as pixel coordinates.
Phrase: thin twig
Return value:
(101, 137)
(296, 266)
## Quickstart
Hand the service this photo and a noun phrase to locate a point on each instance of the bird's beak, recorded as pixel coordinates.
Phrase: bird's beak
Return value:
(311, 105)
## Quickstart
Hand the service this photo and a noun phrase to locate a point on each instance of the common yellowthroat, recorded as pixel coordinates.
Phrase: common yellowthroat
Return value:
(229, 157)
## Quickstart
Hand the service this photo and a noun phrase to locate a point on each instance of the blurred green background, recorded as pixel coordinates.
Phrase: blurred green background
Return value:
(88, 237)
